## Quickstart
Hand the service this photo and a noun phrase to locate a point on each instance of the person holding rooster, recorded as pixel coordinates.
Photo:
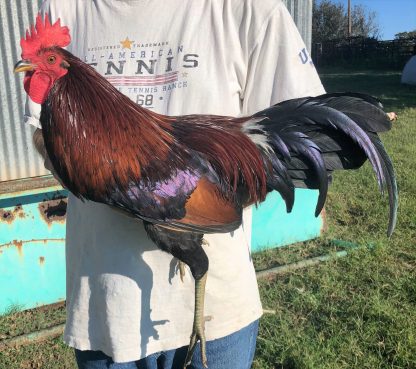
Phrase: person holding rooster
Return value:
(126, 307)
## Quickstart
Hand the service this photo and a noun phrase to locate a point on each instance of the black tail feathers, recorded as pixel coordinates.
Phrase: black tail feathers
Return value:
(311, 137)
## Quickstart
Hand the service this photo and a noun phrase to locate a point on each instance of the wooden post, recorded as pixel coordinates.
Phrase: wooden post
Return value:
(349, 19)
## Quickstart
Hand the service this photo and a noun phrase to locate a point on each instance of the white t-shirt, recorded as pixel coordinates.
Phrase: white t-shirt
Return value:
(228, 57)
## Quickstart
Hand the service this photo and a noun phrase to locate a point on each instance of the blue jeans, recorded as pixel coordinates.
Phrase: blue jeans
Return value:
(235, 351)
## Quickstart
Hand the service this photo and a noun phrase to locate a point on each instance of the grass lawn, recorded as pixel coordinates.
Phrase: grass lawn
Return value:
(354, 312)
(359, 311)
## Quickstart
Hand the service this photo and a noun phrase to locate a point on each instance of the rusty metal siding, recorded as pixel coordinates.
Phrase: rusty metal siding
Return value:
(18, 158)
(32, 246)
(301, 11)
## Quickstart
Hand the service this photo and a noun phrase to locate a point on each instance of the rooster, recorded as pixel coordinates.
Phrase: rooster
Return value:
(186, 176)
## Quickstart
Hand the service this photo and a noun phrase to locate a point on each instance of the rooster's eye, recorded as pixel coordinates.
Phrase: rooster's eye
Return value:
(51, 59)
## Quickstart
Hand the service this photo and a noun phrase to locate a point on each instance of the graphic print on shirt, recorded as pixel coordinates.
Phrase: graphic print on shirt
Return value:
(305, 57)
(146, 72)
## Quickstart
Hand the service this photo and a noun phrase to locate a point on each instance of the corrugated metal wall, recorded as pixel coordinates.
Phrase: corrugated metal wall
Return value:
(301, 11)
(18, 158)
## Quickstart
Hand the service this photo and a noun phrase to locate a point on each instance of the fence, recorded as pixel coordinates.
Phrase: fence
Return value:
(366, 52)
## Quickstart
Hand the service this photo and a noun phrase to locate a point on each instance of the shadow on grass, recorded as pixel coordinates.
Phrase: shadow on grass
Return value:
(286, 364)
(385, 85)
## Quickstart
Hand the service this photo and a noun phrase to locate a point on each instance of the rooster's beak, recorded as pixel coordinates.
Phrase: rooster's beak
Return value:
(23, 66)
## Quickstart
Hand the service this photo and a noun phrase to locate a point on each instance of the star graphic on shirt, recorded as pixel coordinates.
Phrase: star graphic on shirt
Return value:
(126, 43)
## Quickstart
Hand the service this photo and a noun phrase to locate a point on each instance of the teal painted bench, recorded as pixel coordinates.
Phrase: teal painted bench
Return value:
(32, 237)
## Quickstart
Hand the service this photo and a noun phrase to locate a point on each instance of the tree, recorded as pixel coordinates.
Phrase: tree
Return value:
(364, 22)
(405, 35)
(330, 21)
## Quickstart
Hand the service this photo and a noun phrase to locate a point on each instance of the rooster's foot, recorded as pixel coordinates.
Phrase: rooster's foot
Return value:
(198, 331)
(198, 334)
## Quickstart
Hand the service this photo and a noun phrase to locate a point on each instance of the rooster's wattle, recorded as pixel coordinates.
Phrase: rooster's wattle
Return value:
(185, 176)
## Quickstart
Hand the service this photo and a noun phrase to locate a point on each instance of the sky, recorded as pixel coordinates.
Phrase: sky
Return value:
(393, 16)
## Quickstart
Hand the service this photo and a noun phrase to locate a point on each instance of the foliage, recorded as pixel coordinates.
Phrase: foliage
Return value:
(405, 35)
(364, 53)
(330, 21)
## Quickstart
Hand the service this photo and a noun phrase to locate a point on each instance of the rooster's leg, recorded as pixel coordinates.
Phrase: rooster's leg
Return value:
(198, 330)
(187, 248)
(181, 264)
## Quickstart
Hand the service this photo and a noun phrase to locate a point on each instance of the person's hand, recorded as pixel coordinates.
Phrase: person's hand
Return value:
(48, 165)
(40, 147)
(392, 115)
(39, 143)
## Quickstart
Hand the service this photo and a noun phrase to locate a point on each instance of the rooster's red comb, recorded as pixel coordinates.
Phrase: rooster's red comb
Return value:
(44, 35)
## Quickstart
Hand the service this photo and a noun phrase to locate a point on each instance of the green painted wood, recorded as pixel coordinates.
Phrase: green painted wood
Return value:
(32, 246)
(273, 227)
